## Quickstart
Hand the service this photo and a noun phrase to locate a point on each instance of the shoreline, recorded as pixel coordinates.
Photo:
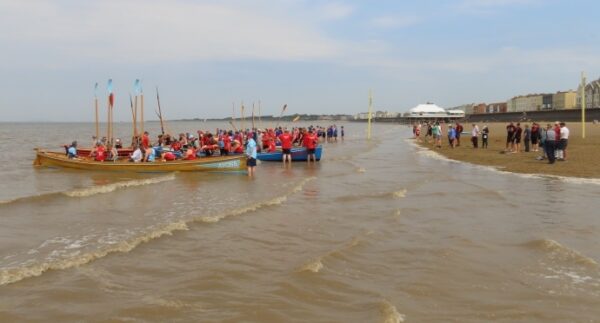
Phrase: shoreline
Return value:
(583, 154)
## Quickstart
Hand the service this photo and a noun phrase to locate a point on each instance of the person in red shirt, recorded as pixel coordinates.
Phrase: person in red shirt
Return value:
(100, 153)
(286, 145)
(310, 142)
(146, 140)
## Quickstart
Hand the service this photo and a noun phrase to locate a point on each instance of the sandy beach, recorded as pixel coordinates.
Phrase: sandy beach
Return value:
(582, 153)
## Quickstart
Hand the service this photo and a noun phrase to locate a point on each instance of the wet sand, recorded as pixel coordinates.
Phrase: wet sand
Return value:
(583, 154)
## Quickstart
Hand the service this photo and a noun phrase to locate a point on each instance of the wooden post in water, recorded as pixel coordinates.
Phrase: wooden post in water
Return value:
(252, 116)
(242, 108)
(259, 118)
(96, 106)
(142, 112)
(582, 105)
(369, 116)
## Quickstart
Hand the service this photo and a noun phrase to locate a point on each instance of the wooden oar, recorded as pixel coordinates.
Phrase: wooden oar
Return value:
(281, 114)
(159, 113)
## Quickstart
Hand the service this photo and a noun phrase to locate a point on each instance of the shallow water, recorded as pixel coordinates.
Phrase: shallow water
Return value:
(378, 231)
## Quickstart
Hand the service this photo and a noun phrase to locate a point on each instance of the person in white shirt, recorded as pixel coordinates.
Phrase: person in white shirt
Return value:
(136, 157)
(475, 136)
(563, 142)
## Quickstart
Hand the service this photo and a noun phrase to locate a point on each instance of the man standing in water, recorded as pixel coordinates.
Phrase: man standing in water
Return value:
(310, 142)
(286, 145)
(251, 155)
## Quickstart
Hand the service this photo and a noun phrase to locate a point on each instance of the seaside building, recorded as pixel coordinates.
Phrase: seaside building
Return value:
(466, 108)
(564, 100)
(592, 95)
(433, 112)
(523, 103)
(499, 107)
(479, 108)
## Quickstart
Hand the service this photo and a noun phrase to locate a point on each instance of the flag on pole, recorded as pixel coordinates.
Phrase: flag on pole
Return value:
(111, 95)
(136, 87)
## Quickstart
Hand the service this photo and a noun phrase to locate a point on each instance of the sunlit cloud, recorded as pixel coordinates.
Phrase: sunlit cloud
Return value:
(154, 31)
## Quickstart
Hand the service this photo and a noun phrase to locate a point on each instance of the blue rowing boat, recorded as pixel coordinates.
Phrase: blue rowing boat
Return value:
(298, 154)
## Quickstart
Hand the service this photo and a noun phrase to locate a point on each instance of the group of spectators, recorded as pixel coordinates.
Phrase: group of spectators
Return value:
(552, 140)
(454, 132)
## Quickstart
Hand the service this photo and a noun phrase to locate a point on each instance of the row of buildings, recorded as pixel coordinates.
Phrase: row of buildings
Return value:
(561, 100)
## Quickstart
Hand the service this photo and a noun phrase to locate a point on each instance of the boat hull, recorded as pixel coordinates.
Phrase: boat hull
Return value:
(298, 154)
(206, 164)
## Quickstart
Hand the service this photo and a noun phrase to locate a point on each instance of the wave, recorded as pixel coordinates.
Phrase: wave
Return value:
(253, 207)
(101, 189)
(557, 251)
(390, 314)
(316, 264)
(386, 195)
(12, 275)
(93, 190)
(15, 274)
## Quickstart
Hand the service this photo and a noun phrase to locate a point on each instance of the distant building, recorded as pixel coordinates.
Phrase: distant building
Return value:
(479, 108)
(466, 108)
(592, 95)
(499, 107)
(564, 100)
(547, 102)
(524, 103)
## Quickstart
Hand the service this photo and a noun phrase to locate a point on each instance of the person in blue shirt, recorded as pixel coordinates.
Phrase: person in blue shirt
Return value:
(72, 150)
(451, 136)
(251, 156)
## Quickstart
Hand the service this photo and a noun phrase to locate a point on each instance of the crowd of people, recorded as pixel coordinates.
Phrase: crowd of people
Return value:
(551, 139)
(189, 146)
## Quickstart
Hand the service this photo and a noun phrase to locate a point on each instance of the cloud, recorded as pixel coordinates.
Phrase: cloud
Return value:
(491, 6)
(335, 11)
(391, 22)
(59, 33)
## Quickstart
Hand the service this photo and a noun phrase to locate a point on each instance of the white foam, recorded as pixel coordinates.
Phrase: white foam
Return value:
(313, 266)
(390, 313)
(101, 189)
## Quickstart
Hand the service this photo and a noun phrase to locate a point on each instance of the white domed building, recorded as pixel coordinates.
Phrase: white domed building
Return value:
(432, 111)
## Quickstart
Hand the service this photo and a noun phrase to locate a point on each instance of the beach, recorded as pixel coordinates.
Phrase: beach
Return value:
(379, 230)
(582, 153)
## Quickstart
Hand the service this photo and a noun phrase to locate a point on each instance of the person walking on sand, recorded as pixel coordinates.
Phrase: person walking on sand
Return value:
(535, 136)
(564, 140)
(526, 137)
(485, 132)
(459, 129)
(517, 138)
(451, 136)
(550, 144)
(475, 136)
(510, 133)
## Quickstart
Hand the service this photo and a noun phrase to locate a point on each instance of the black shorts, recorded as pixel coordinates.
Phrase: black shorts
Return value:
(286, 151)
(517, 140)
(563, 143)
(311, 151)
(251, 162)
(509, 139)
(534, 140)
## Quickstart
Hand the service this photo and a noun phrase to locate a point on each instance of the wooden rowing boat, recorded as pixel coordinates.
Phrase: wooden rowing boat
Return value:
(234, 163)
(123, 152)
(298, 154)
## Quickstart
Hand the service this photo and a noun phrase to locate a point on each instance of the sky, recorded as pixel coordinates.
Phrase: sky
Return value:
(318, 57)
